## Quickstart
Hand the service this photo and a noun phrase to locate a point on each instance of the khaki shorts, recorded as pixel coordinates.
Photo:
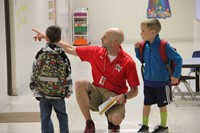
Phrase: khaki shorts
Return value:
(99, 95)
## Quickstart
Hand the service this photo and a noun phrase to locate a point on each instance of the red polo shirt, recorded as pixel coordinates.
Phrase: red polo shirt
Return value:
(117, 72)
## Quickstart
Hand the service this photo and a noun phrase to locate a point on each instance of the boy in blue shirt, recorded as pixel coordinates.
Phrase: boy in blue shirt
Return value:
(156, 76)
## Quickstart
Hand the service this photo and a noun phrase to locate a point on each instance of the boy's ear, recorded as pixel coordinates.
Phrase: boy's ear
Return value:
(47, 39)
(153, 32)
(59, 40)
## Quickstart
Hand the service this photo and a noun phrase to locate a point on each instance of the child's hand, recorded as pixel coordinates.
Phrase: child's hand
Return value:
(137, 44)
(67, 96)
(174, 80)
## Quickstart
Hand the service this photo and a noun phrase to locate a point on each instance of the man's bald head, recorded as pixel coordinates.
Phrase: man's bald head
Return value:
(116, 34)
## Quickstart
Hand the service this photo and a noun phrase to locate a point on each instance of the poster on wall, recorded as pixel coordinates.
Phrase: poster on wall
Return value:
(21, 14)
(52, 11)
(158, 9)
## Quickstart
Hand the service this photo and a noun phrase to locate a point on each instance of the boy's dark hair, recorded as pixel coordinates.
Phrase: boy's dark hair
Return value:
(53, 33)
(152, 24)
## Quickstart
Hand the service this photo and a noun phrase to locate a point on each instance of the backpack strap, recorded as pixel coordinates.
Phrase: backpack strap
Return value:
(163, 55)
(163, 51)
(142, 45)
(38, 53)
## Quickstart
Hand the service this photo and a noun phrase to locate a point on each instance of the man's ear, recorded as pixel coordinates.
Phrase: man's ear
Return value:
(115, 42)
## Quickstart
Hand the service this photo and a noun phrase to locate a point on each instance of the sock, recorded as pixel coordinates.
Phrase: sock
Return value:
(163, 116)
(145, 120)
(88, 121)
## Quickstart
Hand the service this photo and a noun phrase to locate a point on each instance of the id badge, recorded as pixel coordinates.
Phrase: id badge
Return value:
(102, 80)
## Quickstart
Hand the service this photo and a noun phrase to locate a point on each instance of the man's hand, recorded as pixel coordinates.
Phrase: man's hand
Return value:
(39, 36)
(120, 99)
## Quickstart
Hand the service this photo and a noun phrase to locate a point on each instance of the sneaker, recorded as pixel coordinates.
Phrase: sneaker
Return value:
(90, 127)
(160, 129)
(112, 127)
(143, 129)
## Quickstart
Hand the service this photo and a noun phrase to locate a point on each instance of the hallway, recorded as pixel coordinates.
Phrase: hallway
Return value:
(182, 118)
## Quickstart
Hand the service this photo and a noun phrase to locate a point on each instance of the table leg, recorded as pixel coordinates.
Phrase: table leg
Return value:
(197, 79)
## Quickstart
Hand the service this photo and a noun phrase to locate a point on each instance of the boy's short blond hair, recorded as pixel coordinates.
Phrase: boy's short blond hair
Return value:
(152, 24)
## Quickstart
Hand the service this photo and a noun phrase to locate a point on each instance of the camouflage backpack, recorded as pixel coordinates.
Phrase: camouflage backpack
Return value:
(51, 74)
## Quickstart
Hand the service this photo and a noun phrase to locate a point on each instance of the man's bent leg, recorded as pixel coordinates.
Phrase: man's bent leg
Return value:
(115, 118)
(81, 88)
(114, 121)
(83, 100)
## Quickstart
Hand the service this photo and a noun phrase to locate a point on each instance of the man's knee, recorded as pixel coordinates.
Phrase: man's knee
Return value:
(81, 85)
(117, 122)
(115, 118)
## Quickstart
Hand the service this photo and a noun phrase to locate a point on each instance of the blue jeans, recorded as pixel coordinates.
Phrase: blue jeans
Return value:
(46, 106)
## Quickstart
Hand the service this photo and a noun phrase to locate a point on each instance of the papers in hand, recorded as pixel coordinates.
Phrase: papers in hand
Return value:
(106, 105)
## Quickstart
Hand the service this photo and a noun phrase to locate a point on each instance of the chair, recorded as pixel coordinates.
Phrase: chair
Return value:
(196, 54)
(184, 78)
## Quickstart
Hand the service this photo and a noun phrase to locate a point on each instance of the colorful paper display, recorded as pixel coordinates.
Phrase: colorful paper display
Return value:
(158, 9)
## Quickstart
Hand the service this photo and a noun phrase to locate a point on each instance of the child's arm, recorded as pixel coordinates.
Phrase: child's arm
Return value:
(176, 57)
(137, 49)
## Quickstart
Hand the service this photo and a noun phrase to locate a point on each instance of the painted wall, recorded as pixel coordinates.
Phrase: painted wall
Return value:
(197, 26)
(128, 14)
(3, 66)
(28, 15)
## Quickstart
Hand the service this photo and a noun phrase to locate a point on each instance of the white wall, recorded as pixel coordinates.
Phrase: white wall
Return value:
(27, 15)
(3, 66)
(128, 14)
(197, 26)
(196, 34)
(63, 18)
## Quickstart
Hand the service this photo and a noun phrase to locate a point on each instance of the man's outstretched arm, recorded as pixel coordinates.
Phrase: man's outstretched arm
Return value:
(70, 49)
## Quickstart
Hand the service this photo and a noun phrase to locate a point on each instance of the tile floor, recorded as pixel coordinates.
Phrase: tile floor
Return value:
(183, 116)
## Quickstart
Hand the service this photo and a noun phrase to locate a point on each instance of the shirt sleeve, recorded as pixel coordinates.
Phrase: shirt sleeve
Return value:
(137, 52)
(175, 56)
(85, 53)
(132, 75)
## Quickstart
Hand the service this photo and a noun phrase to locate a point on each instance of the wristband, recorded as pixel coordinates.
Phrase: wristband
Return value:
(125, 96)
